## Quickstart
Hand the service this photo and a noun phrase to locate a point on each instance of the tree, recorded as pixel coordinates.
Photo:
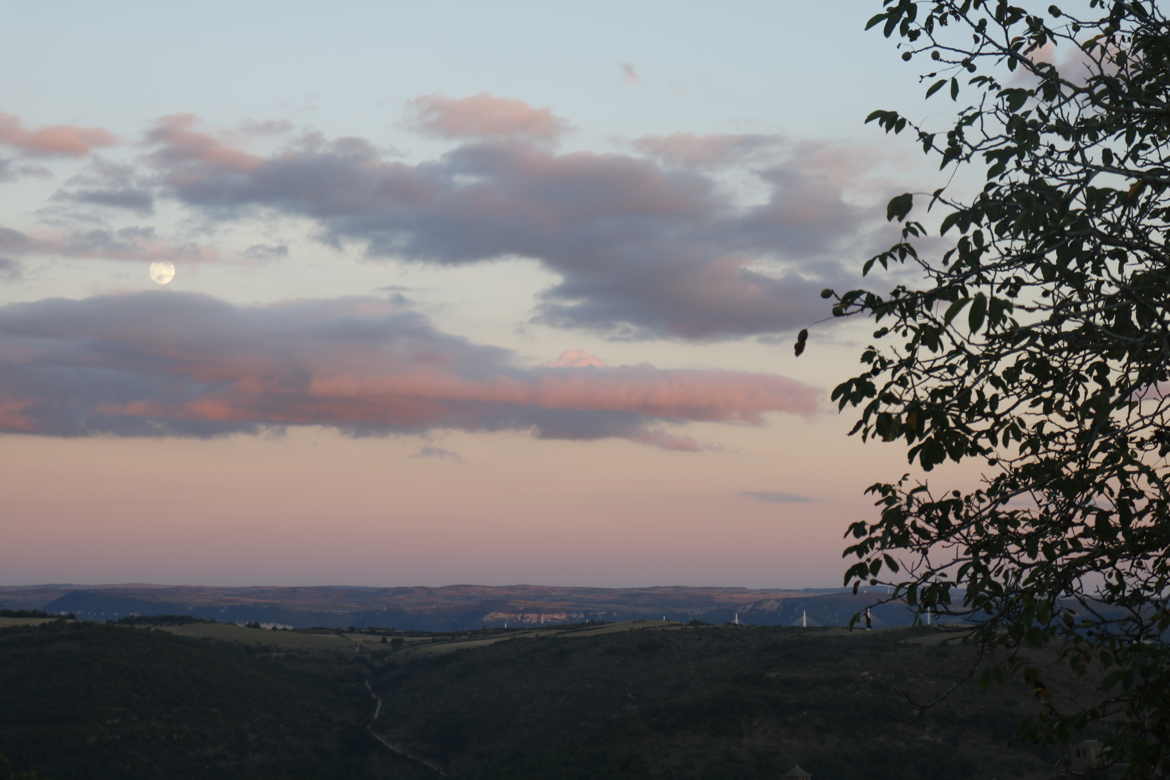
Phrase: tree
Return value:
(1035, 342)
(8, 773)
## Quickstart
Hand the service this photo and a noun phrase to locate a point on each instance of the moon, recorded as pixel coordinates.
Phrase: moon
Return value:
(161, 273)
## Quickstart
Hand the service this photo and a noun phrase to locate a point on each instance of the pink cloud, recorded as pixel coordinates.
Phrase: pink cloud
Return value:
(722, 396)
(178, 142)
(1072, 63)
(717, 396)
(485, 116)
(53, 140)
(703, 151)
(576, 358)
(205, 367)
(669, 441)
(12, 416)
(135, 244)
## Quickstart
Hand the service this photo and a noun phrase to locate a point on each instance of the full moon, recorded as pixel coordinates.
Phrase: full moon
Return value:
(162, 273)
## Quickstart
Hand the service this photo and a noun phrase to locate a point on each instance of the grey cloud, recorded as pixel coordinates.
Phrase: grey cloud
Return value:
(9, 269)
(139, 243)
(122, 242)
(698, 302)
(773, 497)
(174, 364)
(140, 201)
(397, 293)
(14, 241)
(266, 251)
(642, 251)
(110, 185)
(804, 215)
(438, 453)
(11, 170)
(266, 126)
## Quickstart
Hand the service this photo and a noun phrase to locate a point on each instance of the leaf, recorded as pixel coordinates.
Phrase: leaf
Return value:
(977, 313)
(936, 86)
(997, 310)
(891, 23)
(899, 207)
(801, 339)
(949, 221)
(954, 309)
(1016, 98)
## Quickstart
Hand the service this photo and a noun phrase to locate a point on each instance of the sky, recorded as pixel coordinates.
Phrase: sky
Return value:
(462, 292)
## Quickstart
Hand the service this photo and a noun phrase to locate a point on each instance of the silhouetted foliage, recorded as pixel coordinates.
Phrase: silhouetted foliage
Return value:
(1037, 345)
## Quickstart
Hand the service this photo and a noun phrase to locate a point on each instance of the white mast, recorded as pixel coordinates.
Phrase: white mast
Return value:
(804, 618)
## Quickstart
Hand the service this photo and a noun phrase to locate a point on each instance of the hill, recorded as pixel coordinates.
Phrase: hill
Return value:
(95, 701)
(708, 702)
(450, 608)
(646, 699)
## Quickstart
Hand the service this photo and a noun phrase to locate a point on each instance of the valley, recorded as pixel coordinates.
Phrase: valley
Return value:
(181, 697)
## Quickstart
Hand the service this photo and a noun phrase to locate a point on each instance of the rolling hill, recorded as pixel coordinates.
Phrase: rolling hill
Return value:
(451, 608)
(644, 699)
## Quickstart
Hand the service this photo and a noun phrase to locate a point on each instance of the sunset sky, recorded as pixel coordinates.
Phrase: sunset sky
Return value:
(465, 292)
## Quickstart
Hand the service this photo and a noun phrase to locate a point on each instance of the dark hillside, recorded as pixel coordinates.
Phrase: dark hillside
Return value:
(631, 700)
(94, 701)
(707, 702)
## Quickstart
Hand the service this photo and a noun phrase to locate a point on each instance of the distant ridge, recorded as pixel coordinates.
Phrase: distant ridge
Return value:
(445, 608)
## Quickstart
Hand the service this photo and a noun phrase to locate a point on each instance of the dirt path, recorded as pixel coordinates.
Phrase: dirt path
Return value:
(399, 750)
(378, 703)
(395, 748)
